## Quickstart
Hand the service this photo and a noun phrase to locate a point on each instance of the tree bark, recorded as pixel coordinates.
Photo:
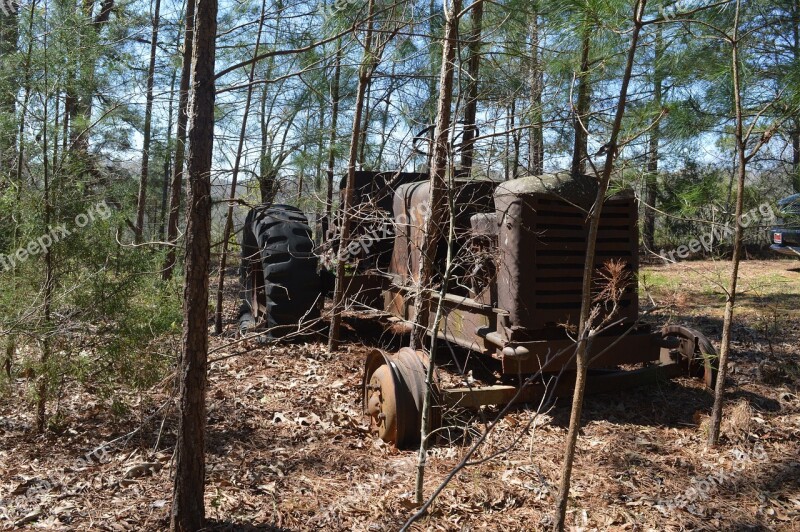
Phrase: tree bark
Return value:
(234, 179)
(435, 21)
(580, 151)
(188, 510)
(162, 228)
(651, 179)
(516, 137)
(387, 100)
(536, 142)
(180, 141)
(320, 157)
(49, 277)
(584, 326)
(796, 157)
(266, 181)
(438, 179)
(337, 74)
(364, 76)
(730, 301)
(473, 74)
(9, 86)
(148, 121)
(80, 100)
(795, 135)
(362, 143)
(507, 156)
(434, 224)
(25, 98)
(269, 166)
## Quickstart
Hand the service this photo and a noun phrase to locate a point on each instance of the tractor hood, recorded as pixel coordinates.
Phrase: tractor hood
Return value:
(579, 191)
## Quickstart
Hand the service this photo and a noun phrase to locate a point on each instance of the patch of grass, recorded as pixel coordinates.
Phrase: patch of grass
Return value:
(700, 285)
(654, 280)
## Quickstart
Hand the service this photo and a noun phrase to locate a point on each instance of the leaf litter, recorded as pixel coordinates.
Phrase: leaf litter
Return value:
(288, 449)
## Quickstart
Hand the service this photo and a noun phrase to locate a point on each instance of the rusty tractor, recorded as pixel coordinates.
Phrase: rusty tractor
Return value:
(513, 300)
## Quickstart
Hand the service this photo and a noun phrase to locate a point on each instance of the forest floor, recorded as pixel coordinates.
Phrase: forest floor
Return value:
(288, 449)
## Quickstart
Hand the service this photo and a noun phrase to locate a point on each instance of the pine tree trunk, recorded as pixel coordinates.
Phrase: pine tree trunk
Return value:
(365, 125)
(167, 160)
(651, 181)
(9, 87)
(266, 183)
(81, 98)
(796, 121)
(364, 76)
(796, 157)
(741, 171)
(301, 174)
(268, 170)
(536, 142)
(319, 217)
(580, 151)
(148, 121)
(507, 151)
(473, 74)
(176, 189)
(584, 326)
(188, 510)
(25, 99)
(234, 180)
(516, 138)
(435, 222)
(385, 118)
(435, 24)
(337, 74)
(49, 277)
(440, 152)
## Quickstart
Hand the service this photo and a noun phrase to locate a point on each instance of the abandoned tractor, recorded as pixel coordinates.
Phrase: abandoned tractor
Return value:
(514, 293)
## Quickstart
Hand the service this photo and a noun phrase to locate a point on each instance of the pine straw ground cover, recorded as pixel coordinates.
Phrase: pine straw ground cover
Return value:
(288, 448)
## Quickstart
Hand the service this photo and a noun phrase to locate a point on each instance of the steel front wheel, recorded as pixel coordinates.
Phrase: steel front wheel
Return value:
(393, 395)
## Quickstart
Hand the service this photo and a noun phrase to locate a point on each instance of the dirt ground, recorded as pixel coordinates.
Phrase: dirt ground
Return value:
(288, 448)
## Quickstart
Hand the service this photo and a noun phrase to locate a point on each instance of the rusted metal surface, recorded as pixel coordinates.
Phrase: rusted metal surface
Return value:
(607, 350)
(412, 365)
(365, 289)
(464, 322)
(379, 187)
(408, 220)
(411, 207)
(515, 295)
(533, 393)
(371, 215)
(693, 352)
(393, 395)
(542, 231)
(380, 397)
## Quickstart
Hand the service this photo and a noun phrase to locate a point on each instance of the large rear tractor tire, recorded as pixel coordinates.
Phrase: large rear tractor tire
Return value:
(282, 287)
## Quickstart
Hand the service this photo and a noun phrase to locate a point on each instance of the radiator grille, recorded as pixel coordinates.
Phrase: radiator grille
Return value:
(560, 234)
